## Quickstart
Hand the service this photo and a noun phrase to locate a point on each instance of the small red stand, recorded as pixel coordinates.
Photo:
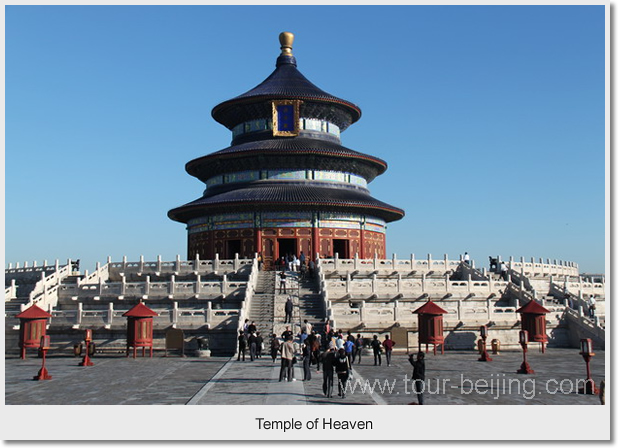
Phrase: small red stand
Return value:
(139, 328)
(430, 326)
(533, 321)
(484, 355)
(586, 352)
(43, 373)
(523, 340)
(32, 326)
(87, 339)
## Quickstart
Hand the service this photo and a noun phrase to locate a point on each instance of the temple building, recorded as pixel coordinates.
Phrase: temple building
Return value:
(286, 184)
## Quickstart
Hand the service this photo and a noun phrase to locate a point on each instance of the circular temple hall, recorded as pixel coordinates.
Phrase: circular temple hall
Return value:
(286, 185)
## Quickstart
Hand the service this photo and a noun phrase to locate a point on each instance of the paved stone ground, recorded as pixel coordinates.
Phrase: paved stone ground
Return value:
(453, 378)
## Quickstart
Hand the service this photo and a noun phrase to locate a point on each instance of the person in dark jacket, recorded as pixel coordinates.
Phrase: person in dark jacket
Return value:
(259, 341)
(274, 347)
(306, 361)
(252, 328)
(328, 364)
(418, 375)
(252, 346)
(388, 349)
(242, 345)
(289, 307)
(358, 348)
(376, 345)
(342, 367)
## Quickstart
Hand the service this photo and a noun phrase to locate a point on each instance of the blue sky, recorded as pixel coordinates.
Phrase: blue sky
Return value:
(491, 118)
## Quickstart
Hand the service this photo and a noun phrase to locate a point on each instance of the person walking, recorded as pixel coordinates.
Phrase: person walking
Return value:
(591, 306)
(289, 307)
(418, 375)
(242, 345)
(306, 361)
(259, 342)
(274, 347)
(328, 365)
(503, 271)
(287, 355)
(466, 258)
(358, 348)
(339, 341)
(388, 349)
(342, 367)
(252, 346)
(377, 351)
(349, 349)
(282, 283)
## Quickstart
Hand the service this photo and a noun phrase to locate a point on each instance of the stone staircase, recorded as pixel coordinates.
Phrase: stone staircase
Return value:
(311, 305)
(262, 304)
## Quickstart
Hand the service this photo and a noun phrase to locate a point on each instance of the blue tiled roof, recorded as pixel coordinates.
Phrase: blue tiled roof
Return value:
(288, 194)
(286, 82)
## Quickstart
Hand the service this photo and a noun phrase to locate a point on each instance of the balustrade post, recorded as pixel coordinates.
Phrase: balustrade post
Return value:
(423, 282)
(361, 311)
(356, 261)
(141, 263)
(447, 282)
(469, 280)
(110, 313)
(159, 263)
(123, 285)
(80, 311)
(412, 262)
(109, 259)
(336, 260)
(216, 262)
(175, 314)
(209, 311)
(489, 313)
(224, 285)
(100, 287)
(374, 278)
(236, 262)
(198, 284)
(348, 280)
(177, 265)
(196, 267)
(396, 310)
(172, 285)
(124, 263)
(394, 262)
(459, 313)
(147, 286)
(25, 264)
(375, 261)
(429, 262)
(399, 282)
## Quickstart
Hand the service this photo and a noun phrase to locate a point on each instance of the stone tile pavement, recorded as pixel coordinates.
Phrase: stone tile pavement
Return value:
(452, 378)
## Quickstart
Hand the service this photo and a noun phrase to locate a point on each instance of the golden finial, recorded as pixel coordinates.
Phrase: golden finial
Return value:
(286, 39)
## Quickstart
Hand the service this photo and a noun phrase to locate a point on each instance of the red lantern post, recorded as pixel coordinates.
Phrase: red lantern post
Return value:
(483, 342)
(87, 339)
(32, 326)
(43, 374)
(430, 326)
(587, 354)
(139, 328)
(523, 340)
(533, 321)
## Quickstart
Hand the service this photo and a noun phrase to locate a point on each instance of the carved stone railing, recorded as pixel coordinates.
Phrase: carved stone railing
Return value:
(180, 267)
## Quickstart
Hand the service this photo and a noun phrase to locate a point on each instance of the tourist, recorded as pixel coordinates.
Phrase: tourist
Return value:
(306, 361)
(242, 345)
(327, 326)
(287, 356)
(349, 349)
(377, 351)
(311, 268)
(591, 306)
(245, 327)
(274, 347)
(260, 261)
(342, 367)
(388, 349)
(315, 350)
(282, 283)
(307, 327)
(252, 328)
(303, 336)
(302, 257)
(466, 258)
(252, 346)
(328, 364)
(339, 342)
(296, 263)
(503, 271)
(259, 342)
(358, 352)
(289, 307)
(286, 333)
(418, 375)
